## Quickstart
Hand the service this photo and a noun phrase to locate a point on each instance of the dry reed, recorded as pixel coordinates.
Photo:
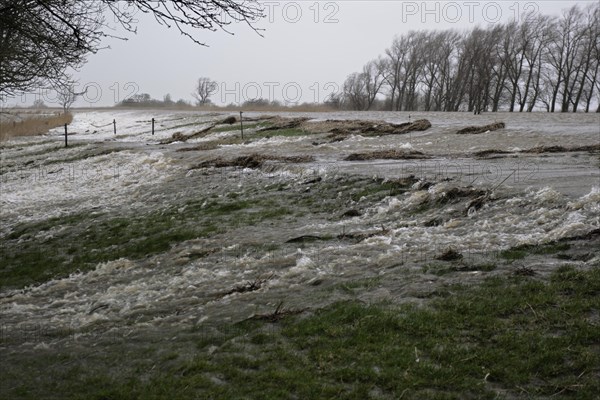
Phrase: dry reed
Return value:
(33, 125)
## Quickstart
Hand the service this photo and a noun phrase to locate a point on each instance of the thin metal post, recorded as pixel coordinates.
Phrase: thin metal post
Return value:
(152, 126)
(241, 125)
(115, 126)
(66, 142)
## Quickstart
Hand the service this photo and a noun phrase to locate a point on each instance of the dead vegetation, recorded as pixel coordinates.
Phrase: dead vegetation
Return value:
(284, 123)
(478, 202)
(250, 286)
(490, 152)
(180, 137)
(366, 128)
(354, 236)
(337, 129)
(33, 125)
(360, 236)
(201, 147)
(457, 193)
(539, 150)
(524, 271)
(251, 161)
(450, 255)
(387, 155)
(561, 149)
(279, 313)
(474, 130)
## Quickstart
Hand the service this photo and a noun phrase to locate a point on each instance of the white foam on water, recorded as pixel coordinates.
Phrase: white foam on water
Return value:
(107, 181)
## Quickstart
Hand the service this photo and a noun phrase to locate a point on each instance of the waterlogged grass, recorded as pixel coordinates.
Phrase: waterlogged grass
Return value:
(83, 155)
(291, 132)
(520, 252)
(236, 127)
(351, 286)
(377, 190)
(36, 257)
(444, 269)
(36, 252)
(506, 338)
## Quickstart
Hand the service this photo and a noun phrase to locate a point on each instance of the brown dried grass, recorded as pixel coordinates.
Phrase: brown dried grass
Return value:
(33, 125)
(474, 130)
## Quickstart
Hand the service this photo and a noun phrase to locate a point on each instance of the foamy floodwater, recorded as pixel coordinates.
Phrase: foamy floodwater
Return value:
(475, 206)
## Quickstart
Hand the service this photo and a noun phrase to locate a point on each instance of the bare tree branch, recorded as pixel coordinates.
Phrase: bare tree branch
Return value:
(41, 39)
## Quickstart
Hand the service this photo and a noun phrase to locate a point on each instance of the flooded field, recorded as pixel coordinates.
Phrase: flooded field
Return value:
(131, 238)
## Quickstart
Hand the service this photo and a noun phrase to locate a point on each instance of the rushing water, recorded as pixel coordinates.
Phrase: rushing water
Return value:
(528, 199)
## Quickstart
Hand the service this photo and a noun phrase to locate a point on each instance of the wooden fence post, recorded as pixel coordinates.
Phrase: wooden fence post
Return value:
(115, 126)
(66, 142)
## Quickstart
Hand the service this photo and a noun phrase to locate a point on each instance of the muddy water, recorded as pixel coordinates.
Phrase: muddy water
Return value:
(386, 251)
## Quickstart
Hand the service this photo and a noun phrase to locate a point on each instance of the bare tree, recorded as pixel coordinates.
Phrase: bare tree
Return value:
(404, 69)
(66, 94)
(447, 53)
(354, 91)
(562, 51)
(539, 60)
(586, 70)
(373, 76)
(41, 39)
(534, 33)
(204, 89)
(396, 54)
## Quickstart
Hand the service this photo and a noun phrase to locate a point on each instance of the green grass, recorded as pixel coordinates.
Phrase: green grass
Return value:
(236, 127)
(366, 283)
(83, 243)
(377, 190)
(508, 337)
(522, 251)
(85, 240)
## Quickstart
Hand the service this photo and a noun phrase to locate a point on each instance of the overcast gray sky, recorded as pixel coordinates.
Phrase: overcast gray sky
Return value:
(307, 48)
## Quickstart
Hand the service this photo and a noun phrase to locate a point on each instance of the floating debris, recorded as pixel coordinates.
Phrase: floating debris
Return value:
(279, 313)
(251, 161)
(249, 286)
(561, 149)
(474, 130)
(284, 123)
(524, 271)
(450, 255)
(387, 155)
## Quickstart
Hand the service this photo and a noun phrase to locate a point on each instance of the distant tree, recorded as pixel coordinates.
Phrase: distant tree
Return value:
(204, 89)
(256, 103)
(39, 103)
(66, 94)
(335, 100)
(565, 45)
(141, 98)
(182, 103)
(537, 61)
(354, 91)
(41, 39)
(167, 99)
(373, 76)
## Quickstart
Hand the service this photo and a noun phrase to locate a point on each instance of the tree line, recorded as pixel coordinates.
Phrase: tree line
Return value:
(538, 62)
